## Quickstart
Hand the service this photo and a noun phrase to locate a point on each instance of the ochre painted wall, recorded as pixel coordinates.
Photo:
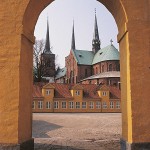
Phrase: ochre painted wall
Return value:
(75, 98)
(17, 22)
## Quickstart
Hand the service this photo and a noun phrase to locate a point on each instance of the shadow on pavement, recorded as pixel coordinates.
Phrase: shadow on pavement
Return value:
(40, 128)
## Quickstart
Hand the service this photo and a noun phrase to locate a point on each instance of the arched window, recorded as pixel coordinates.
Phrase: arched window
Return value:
(110, 67)
(102, 68)
(118, 67)
(96, 71)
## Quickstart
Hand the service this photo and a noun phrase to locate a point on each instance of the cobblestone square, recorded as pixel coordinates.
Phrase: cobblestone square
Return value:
(77, 131)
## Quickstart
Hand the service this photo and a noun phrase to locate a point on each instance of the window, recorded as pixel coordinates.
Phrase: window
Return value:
(98, 105)
(104, 105)
(118, 67)
(40, 104)
(91, 105)
(48, 105)
(63, 105)
(96, 72)
(111, 105)
(110, 67)
(33, 105)
(71, 105)
(71, 74)
(109, 82)
(47, 92)
(83, 104)
(104, 93)
(56, 105)
(103, 68)
(78, 105)
(118, 105)
(77, 92)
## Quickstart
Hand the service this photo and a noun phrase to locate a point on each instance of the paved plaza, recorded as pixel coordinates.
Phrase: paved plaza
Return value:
(77, 131)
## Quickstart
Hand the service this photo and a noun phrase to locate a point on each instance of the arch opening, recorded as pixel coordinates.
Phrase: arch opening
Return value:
(33, 26)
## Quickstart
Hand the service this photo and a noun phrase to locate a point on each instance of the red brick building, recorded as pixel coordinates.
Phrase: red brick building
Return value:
(93, 66)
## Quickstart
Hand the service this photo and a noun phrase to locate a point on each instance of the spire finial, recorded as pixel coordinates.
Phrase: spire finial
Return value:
(95, 11)
(111, 41)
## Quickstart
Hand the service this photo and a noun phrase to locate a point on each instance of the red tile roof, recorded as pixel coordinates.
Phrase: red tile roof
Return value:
(63, 91)
(90, 91)
(115, 93)
(37, 92)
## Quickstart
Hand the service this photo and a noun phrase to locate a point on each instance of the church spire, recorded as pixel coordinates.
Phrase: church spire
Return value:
(73, 39)
(96, 41)
(47, 43)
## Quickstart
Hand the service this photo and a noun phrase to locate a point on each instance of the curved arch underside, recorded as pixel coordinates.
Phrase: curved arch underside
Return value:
(115, 8)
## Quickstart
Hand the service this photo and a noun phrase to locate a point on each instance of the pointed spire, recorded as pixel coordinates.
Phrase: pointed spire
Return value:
(47, 43)
(96, 34)
(96, 41)
(73, 38)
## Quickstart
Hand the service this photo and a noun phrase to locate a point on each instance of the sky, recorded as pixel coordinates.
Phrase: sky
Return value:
(61, 13)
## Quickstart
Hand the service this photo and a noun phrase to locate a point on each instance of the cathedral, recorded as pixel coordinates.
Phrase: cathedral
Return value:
(48, 60)
(98, 66)
(89, 82)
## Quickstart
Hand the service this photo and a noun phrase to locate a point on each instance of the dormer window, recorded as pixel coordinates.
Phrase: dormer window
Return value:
(104, 93)
(77, 92)
(47, 92)
(101, 53)
(80, 55)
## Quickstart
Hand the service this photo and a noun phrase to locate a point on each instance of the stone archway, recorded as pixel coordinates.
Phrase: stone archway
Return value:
(17, 22)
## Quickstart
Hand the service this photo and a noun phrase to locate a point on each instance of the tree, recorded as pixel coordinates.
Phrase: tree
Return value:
(37, 67)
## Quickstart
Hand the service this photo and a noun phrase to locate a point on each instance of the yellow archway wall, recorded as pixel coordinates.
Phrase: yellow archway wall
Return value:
(17, 22)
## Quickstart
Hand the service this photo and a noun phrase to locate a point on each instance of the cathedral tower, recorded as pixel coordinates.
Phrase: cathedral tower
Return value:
(48, 59)
(96, 41)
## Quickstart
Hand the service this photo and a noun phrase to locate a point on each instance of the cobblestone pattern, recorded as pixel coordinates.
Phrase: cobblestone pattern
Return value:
(77, 131)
